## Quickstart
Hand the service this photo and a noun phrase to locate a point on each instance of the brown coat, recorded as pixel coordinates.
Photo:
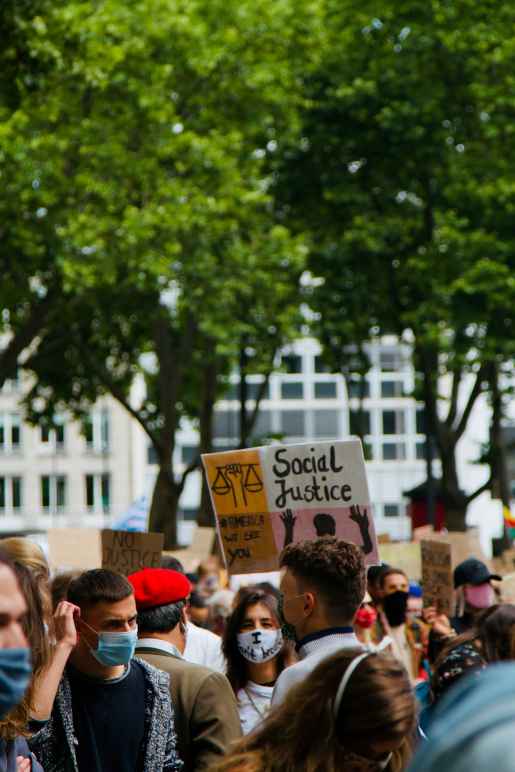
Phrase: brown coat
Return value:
(206, 714)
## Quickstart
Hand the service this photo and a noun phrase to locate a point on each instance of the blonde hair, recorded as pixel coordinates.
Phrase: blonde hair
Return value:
(28, 553)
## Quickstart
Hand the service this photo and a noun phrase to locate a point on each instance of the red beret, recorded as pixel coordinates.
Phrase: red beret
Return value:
(158, 587)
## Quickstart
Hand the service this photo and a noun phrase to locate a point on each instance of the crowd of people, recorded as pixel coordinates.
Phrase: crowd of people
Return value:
(337, 668)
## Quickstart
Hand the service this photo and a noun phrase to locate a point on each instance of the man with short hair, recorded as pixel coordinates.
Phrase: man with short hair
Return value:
(409, 636)
(207, 718)
(322, 586)
(108, 712)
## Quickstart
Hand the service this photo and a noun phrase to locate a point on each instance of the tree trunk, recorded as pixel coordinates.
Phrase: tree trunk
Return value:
(243, 395)
(164, 506)
(210, 374)
(501, 486)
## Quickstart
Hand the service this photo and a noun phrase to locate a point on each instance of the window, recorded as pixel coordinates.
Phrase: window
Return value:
(152, 457)
(355, 385)
(97, 431)
(325, 390)
(326, 424)
(226, 424)
(189, 514)
(292, 390)
(393, 422)
(10, 432)
(53, 493)
(189, 453)
(394, 451)
(390, 360)
(15, 430)
(359, 420)
(263, 425)
(392, 389)
(392, 510)
(253, 391)
(53, 436)
(10, 495)
(98, 493)
(292, 423)
(291, 363)
(420, 421)
(420, 451)
(321, 366)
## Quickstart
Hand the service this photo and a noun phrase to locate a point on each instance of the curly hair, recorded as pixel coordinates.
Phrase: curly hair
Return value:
(335, 568)
(378, 706)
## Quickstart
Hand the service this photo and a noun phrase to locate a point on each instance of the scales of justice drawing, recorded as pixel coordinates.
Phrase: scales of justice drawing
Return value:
(237, 479)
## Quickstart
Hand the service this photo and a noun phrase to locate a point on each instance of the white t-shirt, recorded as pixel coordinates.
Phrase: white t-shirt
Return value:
(204, 648)
(253, 704)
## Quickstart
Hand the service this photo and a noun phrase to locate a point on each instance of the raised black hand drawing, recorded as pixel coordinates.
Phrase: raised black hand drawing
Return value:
(288, 521)
(361, 520)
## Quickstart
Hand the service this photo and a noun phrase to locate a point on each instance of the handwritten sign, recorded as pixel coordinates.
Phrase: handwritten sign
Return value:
(121, 551)
(266, 498)
(126, 551)
(437, 578)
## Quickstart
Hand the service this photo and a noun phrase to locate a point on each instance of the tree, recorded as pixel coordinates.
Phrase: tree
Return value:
(396, 172)
(150, 140)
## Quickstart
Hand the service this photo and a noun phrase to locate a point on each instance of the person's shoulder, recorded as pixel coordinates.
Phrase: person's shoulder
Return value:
(202, 636)
(156, 676)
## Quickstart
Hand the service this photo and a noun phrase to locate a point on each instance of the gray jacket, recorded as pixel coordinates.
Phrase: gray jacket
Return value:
(54, 744)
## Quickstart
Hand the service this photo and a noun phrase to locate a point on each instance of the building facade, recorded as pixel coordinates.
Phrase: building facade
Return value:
(89, 475)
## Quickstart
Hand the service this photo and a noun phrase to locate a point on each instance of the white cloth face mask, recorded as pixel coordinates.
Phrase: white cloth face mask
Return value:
(260, 645)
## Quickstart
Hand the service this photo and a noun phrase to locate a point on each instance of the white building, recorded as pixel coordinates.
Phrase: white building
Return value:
(65, 477)
(305, 402)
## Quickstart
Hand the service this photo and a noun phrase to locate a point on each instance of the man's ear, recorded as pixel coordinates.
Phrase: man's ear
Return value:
(184, 615)
(310, 602)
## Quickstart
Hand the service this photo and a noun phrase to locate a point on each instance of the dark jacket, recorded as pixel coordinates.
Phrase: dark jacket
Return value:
(54, 744)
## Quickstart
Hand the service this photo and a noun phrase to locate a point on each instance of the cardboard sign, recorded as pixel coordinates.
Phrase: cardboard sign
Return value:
(507, 588)
(266, 498)
(122, 551)
(465, 544)
(404, 555)
(200, 548)
(437, 578)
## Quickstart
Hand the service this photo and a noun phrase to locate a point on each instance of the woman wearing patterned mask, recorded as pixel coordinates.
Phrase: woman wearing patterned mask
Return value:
(354, 713)
(256, 654)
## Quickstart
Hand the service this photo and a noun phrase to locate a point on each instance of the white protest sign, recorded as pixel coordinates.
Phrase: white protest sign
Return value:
(266, 498)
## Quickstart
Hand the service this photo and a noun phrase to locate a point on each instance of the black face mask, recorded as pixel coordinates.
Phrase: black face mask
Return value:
(395, 606)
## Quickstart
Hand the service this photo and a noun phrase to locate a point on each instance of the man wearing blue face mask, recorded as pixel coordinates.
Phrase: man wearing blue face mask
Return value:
(109, 712)
(15, 667)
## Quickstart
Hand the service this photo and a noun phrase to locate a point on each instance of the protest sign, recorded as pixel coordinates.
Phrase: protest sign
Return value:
(128, 551)
(266, 498)
(437, 578)
(122, 551)
(465, 544)
(404, 555)
(201, 547)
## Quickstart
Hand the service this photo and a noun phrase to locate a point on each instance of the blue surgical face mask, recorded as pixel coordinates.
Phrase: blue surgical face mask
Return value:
(114, 648)
(15, 675)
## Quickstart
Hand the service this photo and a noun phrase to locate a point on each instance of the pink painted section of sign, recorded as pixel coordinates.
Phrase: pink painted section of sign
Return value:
(353, 524)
